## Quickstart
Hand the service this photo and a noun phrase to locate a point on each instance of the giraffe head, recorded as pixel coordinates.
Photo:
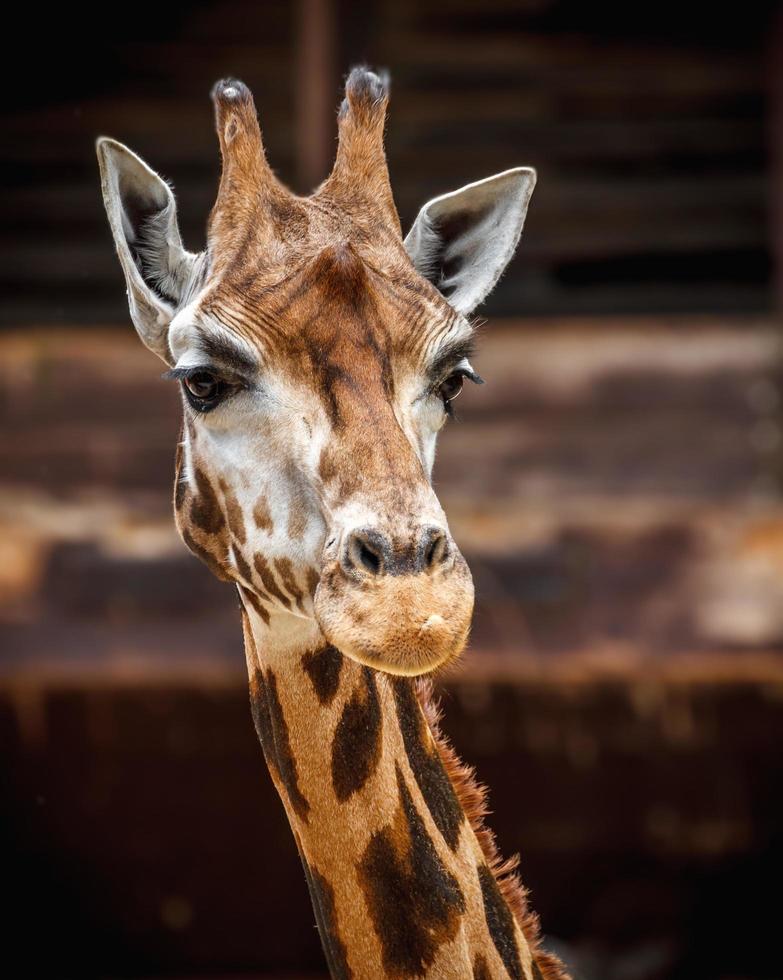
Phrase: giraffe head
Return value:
(318, 354)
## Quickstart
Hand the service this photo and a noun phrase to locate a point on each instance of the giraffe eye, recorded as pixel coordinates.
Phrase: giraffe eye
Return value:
(204, 390)
(451, 388)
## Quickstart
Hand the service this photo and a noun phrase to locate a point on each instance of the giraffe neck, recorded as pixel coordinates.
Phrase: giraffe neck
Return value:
(403, 882)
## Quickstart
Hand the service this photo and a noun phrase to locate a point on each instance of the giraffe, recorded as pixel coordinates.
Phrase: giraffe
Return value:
(318, 354)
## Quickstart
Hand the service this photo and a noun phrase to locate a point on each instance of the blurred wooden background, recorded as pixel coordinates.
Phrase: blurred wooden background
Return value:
(649, 127)
(616, 486)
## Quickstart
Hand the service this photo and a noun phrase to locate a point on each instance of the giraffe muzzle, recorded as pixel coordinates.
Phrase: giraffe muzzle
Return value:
(399, 604)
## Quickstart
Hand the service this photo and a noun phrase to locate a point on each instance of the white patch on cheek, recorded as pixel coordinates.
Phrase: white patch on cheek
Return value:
(429, 442)
(187, 451)
(318, 432)
(269, 456)
(426, 419)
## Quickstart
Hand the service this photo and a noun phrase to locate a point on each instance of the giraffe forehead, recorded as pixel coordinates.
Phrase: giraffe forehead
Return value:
(336, 304)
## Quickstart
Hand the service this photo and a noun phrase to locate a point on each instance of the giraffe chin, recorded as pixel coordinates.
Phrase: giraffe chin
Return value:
(406, 625)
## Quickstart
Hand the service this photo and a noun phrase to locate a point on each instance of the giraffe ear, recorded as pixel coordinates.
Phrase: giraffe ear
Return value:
(143, 218)
(463, 241)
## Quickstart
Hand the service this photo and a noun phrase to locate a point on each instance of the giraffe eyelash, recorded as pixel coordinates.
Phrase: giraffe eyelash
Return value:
(462, 371)
(183, 373)
(451, 356)
(222, 387)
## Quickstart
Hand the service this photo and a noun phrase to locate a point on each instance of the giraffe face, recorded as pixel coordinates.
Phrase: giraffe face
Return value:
(318, 355)
(308, 446)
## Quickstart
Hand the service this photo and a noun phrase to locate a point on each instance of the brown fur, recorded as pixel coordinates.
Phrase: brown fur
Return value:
(297, 521)
(473, 798)
(234, 516)
(285, 571)
(401, 860)
(262, 515)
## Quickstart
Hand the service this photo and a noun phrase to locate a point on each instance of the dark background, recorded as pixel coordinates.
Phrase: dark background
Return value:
(617, 487)
(648, 123)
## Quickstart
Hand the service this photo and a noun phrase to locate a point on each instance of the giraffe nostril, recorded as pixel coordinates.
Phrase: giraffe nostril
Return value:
(370, 552)
(435, 548)
(365, 551)
(367, 557)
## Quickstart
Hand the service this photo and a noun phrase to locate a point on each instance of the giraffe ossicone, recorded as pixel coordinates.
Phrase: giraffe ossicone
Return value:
(318, 354)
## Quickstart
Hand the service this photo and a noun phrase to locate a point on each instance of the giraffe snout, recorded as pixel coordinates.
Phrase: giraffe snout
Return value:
(397, 598)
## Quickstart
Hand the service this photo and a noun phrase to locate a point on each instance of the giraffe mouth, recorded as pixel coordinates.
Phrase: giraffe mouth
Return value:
(401, 624)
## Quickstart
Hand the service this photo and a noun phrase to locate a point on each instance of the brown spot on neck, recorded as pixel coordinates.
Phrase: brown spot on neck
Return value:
(323, 667)
(500, 923)
(356, 748)
(415, 904)
(322, 895)
(272, 730)
(480, 968)
(426, 764)
(473, 799)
